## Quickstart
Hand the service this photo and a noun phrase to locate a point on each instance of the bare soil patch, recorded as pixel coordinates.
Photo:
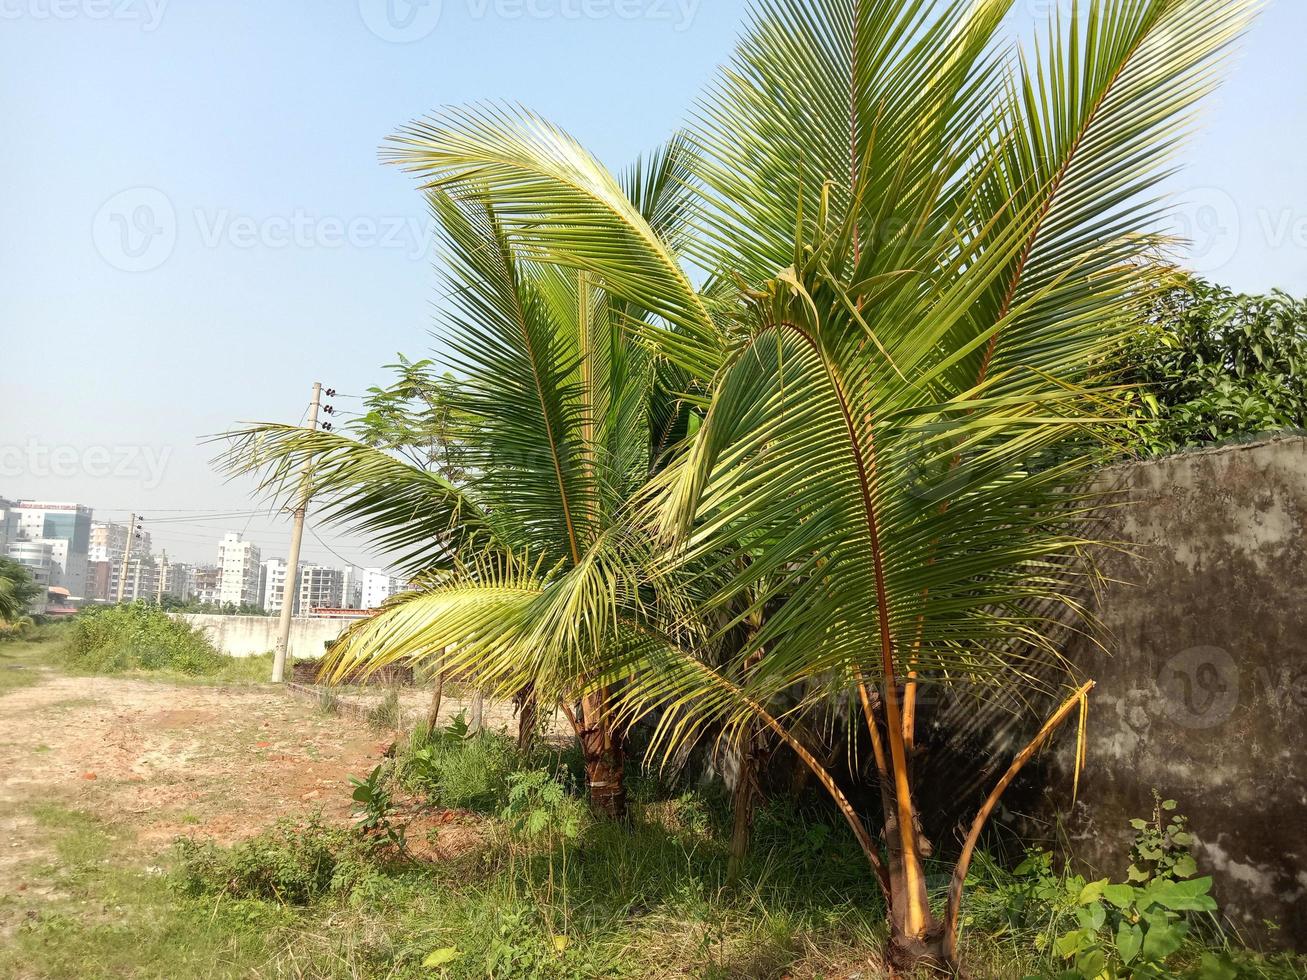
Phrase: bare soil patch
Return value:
(167, 759)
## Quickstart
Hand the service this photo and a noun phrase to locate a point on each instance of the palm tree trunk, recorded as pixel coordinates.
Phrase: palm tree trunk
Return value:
(527, 715)
(742, 800)
(437, 694)
(605, 757)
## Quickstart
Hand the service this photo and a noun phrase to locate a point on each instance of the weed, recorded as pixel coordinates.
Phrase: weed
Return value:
(385, 715)
(291, 864)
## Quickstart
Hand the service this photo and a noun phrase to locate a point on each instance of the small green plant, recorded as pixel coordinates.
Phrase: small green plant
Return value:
(1129, 930)
(291, 864)
(386, 713)
(459, 770)
(539, 807)
(1161, 848)
(375, 808)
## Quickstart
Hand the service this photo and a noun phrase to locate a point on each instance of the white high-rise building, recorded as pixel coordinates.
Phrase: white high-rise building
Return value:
(351, 589)
(273, 577)
(238, 571)
(378, 586)
(319, 588)
(37, 558)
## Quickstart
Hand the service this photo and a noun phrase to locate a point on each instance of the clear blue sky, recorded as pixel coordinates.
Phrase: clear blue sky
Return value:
(244, 133)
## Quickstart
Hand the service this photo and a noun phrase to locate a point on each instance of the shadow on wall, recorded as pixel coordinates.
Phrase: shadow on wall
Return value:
(1202, 684)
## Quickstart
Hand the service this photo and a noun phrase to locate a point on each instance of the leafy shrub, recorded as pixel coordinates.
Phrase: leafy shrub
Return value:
(1214, 365)
(539, 807)
(471, 772)
(292, 864)
(138, 636)
(1104, 929)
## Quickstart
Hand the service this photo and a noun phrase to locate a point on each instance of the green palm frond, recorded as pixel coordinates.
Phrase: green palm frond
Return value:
(559, 205)
(417, 516)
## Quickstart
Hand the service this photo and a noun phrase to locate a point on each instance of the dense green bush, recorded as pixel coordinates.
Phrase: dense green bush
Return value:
(114, 639)
(472, 772)
(292, 864)
(1214, 365)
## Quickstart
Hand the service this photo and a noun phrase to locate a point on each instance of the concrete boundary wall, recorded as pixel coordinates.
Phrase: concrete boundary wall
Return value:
(250, 636)
(1202, 685)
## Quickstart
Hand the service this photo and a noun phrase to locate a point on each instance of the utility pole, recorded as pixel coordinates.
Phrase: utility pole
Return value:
(127, 557)
(163, 579)
(293, 560)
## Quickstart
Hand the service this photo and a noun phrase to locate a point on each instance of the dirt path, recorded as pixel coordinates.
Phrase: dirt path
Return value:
(168, 759)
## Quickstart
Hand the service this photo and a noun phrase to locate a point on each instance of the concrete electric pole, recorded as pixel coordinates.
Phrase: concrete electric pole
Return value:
(293, 560)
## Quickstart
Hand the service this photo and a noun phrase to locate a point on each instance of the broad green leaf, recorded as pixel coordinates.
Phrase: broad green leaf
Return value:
(1162, 938)
(441, 957)
(1120, 895)
(1129, 940)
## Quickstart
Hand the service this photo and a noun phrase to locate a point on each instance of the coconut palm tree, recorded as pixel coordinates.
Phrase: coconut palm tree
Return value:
(558, 416)
(920, 249)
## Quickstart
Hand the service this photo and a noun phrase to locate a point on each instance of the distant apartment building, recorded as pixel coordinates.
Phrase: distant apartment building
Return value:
(203, 583)
(378, 585)
(238, 567)
(351, 589)
(66, 528)
(141, 583)
(174, 579)
(100, 581)
(8, 523)
(273, 579)
(108, 543)
(319, 588)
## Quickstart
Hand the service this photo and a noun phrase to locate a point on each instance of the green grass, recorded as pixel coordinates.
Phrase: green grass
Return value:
(24, 661)
(112, 915)
(563, 897)
(132, 642)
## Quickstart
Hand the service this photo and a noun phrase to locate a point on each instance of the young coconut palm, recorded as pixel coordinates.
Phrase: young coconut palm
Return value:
(553, 412)
(935, 244)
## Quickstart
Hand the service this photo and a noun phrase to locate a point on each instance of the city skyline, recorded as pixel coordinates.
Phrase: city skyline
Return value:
(65, 547)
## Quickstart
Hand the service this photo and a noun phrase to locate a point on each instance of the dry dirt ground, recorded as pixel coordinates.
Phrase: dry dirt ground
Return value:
(165, 759)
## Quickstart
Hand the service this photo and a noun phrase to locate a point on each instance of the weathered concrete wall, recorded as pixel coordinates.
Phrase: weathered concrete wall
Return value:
(1202, 690)
(249, 636)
